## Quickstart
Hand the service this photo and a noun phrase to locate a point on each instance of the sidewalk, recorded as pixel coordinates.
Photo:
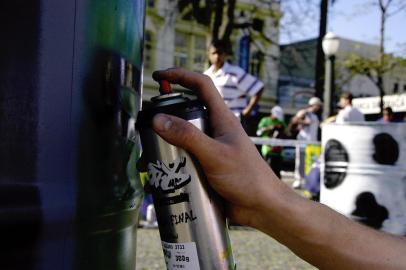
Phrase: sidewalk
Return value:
(252, 250)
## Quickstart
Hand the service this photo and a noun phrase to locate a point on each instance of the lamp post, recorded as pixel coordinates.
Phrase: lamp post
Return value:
(330, 47)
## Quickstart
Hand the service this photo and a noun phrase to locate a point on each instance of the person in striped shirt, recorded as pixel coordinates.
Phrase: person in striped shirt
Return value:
(240, 90)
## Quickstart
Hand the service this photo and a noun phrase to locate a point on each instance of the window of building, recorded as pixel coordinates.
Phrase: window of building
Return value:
(404, 88)
(257, 58)
(149, 45)
(395, 87)
(181, 50)
(151, 3)
(190, 51)
(199, 57)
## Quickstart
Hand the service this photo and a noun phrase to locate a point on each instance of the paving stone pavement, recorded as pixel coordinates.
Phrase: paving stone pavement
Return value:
(253, 250)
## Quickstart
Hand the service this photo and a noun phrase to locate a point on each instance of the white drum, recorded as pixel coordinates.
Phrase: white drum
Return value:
(363, 173)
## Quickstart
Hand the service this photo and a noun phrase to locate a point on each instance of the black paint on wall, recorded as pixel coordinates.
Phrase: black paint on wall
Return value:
(19, 89)
(336, 162)
(369, 211)
(20, 203)
(386, 149)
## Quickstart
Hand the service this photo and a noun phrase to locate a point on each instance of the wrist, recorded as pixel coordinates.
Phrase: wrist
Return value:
(268, 198)
(278, 209)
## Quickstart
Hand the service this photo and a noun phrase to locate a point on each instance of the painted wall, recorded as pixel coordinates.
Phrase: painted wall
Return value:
(363, 176)
(70, 90)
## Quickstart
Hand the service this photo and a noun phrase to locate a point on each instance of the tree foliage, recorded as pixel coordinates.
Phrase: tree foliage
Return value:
(219, 16)
(372, 67)
(375, 69)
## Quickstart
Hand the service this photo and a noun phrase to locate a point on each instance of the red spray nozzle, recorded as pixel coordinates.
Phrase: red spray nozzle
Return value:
(164, 87)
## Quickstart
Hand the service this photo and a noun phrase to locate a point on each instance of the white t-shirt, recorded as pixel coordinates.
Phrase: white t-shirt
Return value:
(349, 114)
(309, 132)
(235, 86)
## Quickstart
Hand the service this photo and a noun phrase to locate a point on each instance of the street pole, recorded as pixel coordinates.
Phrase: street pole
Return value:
(329, 87)
(319, 76)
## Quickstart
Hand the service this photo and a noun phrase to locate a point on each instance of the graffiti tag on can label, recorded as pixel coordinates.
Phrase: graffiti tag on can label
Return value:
(180, 256)
(168, 178)
(184, 217)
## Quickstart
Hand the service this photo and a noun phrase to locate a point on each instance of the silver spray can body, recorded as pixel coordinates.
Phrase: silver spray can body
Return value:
(190, 215)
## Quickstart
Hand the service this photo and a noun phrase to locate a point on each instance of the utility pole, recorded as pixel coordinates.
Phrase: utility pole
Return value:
(319, 72)
(329, 88)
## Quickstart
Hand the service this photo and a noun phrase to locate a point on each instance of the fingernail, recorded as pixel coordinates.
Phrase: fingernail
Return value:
(162, 122)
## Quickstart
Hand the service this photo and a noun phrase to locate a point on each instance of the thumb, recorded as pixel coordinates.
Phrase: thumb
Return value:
(185, 135)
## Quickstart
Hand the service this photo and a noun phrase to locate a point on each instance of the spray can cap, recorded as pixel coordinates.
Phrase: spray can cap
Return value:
(165, 87)
(171, 103)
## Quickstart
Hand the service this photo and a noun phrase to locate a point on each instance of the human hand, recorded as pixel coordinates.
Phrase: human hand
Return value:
(301, 114)
(260, 131)
(229, 159)
(255, 197)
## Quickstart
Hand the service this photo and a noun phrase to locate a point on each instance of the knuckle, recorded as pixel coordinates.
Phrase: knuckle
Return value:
(187, 134)
(201, 80)
(206, 80)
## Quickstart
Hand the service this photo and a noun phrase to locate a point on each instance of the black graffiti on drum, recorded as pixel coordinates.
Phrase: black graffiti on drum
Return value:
(386, 149)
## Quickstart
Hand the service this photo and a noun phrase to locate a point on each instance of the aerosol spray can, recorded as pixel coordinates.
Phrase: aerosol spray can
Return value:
(190, 215)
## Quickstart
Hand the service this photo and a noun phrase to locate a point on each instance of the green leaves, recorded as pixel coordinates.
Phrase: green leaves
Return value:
(372, 67)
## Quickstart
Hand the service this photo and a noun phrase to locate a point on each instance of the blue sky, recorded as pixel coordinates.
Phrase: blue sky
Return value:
(356, 20)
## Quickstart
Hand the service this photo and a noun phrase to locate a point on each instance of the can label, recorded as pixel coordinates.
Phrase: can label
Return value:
(168, 177)
(180, 256)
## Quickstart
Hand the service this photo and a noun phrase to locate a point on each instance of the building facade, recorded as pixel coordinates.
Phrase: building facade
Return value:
(297, 72)
(173, 38)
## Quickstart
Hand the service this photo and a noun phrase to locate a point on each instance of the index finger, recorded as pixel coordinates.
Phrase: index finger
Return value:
(206, 91)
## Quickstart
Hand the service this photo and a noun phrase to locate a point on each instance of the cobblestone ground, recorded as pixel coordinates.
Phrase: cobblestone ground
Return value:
(253, 250)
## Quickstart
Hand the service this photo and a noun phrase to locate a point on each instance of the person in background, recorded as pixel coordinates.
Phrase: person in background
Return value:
(388, 116)
(273, 126)
(255, 197)
(348, 113)
(308, 125)
(240, 90)
(308, 121)
(147, 210)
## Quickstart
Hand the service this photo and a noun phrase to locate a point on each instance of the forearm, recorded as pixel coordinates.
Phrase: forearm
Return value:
(255, 196)
(325, 238)
(251, 104)
(261, 131)
(302, 121)
(330, 119)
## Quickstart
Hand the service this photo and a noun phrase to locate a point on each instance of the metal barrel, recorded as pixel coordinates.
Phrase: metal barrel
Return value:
(190, 216)
(363, 174)
(70, 92)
